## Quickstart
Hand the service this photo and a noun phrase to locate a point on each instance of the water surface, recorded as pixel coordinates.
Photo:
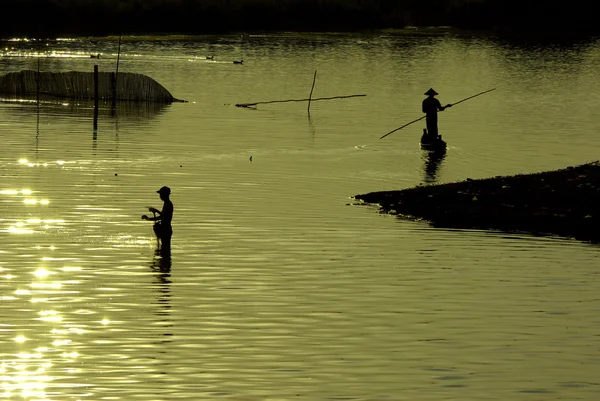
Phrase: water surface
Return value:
(278, 286)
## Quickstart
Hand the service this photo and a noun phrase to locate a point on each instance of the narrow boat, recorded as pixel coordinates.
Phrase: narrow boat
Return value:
(432, 144)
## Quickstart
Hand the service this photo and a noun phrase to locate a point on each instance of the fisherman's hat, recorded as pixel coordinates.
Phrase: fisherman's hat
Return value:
(431, 92)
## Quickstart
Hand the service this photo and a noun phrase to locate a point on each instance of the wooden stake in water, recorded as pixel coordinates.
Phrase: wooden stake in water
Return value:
(96, 96)
(311, 90)
(114, 100)
(118, 54)
(37, 84)
(37, 101)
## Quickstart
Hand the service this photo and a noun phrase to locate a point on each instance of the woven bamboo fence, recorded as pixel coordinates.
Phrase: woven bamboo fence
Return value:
(80, 85)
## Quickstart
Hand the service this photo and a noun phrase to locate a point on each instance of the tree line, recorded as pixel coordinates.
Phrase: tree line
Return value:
(105, 17)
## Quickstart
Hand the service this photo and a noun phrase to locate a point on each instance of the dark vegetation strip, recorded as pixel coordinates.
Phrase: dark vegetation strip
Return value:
(103, 17)
(564, 202)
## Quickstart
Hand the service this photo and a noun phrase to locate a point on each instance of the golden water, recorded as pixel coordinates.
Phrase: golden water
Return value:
(278, 286)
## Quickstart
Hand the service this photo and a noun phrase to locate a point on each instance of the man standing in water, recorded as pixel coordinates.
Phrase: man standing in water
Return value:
(162, 227)
(430, 107)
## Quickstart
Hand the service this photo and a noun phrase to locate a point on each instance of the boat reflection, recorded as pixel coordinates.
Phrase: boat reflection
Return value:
(433, 160)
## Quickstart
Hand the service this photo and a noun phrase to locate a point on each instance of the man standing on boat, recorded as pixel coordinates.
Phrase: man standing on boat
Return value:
(430, 107)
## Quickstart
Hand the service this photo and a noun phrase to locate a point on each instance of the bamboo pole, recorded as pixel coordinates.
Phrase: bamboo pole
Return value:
(295, 100)
(37, 82)
(95, 98)
(405, 125)
(118, 54)
(37, 97)
(114, 100)
(311, 90)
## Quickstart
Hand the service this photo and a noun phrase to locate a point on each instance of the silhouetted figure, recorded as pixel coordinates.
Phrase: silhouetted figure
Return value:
(162, 227)
(95, 55)
(430, 107)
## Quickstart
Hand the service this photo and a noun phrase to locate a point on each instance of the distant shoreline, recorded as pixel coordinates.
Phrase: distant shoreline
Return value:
(563, 202)
(538, 38)
(58, 18)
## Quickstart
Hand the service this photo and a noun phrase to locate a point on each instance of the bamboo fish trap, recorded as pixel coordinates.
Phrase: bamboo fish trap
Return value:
(81, 85)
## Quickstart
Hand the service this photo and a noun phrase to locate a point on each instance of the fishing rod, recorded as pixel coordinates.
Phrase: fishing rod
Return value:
(452, 104)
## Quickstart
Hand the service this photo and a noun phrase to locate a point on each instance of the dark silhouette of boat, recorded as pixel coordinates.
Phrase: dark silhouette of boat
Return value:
(432, 143)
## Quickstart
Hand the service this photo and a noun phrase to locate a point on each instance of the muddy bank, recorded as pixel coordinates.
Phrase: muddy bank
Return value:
(563, 202)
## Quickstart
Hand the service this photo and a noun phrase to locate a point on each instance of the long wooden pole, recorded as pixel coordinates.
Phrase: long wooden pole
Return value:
(96, 92)
(295, 100)
(311, 90)
(420, 118)
(114, 94)
(118, 54)
(405, 125)
(37, 102)
(471, 97)
(37, 84)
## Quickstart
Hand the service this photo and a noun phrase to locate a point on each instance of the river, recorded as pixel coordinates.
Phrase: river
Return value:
(279, 285)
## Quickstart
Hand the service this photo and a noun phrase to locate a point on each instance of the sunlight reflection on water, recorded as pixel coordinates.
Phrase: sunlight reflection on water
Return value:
(277, 286)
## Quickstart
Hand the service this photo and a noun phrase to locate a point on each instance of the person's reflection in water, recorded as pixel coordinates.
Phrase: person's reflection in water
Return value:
(161, 266)
(433, 160)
